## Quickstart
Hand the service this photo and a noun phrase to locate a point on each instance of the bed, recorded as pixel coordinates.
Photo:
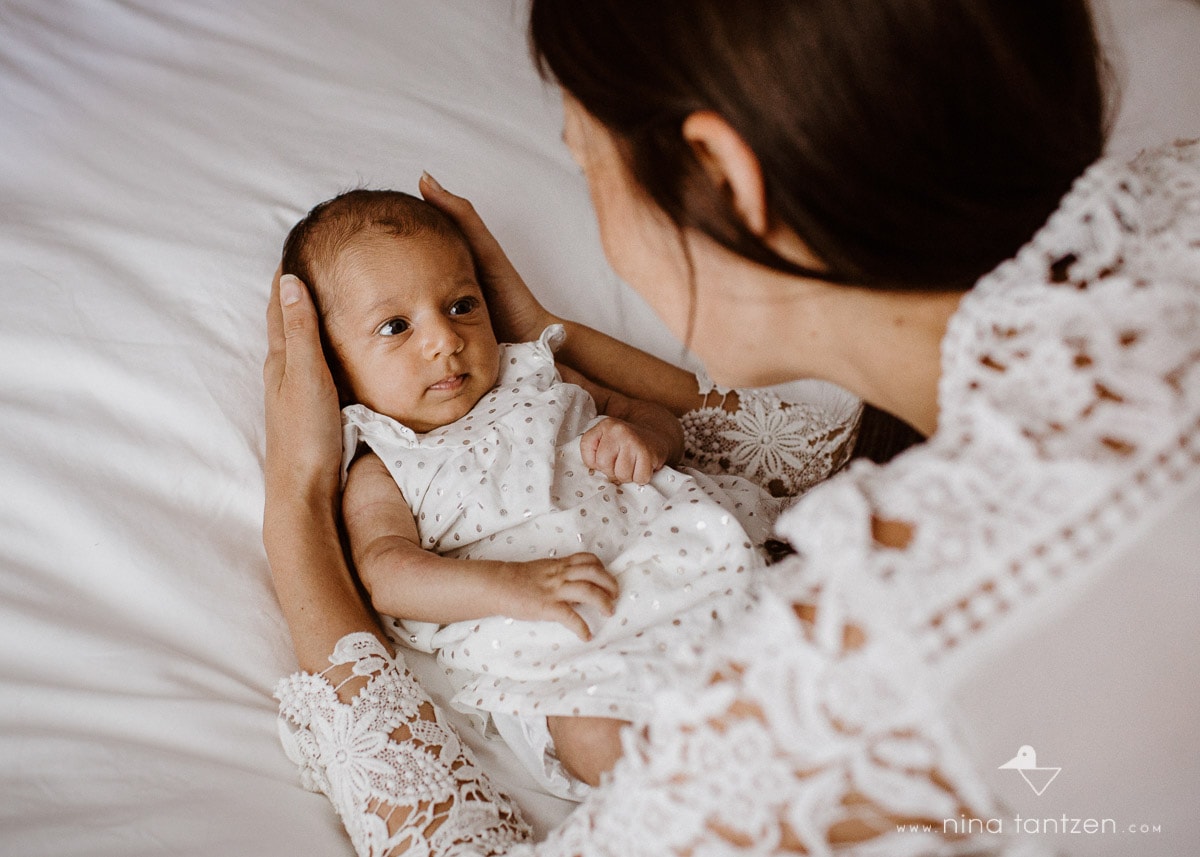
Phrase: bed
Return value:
(153, 157)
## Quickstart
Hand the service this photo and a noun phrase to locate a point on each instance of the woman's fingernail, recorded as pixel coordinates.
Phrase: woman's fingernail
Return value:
(289, 290)
(432, 181)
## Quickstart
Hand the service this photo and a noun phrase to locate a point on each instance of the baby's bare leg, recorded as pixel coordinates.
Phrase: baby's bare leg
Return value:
(587, 746)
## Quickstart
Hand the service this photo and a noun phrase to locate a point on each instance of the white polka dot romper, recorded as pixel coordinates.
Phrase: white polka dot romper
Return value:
(506, 482)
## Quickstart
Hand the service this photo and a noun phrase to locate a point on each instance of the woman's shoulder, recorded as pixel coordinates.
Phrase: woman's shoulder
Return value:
(1084, 346)
(1124, 225)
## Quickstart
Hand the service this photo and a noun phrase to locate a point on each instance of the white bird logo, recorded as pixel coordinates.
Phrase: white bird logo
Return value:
(1025, 764)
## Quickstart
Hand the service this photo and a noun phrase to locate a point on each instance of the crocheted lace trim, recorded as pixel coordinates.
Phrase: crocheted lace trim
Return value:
(396, 773)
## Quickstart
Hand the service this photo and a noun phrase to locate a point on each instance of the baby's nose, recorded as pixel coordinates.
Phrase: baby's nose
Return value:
(442, 339)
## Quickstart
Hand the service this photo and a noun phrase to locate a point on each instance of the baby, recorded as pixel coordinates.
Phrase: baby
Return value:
(541, 546)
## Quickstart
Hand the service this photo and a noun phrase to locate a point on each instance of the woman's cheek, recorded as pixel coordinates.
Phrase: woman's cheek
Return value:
(647, 256)
(648, 270)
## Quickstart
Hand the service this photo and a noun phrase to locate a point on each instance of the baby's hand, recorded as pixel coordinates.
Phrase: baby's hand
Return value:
(622, 451)
(549, 590)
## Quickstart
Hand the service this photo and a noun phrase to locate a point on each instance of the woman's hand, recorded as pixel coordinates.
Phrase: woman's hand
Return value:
(304, 443)
(516, 314)
(317, 593)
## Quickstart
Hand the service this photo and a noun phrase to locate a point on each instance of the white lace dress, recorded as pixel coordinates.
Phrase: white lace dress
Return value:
(1069, 422)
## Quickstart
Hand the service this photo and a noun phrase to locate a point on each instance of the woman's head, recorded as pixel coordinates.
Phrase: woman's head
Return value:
(908, 144)
(404, 324)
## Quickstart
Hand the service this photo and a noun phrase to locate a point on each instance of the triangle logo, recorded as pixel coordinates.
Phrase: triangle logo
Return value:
(1039, 779)
(1036, 776)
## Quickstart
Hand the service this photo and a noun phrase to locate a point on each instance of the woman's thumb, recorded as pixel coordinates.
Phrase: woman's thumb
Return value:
(300, 329)
(291, 290)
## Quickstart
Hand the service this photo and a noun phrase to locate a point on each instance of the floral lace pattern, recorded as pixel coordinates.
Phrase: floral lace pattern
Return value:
(798, 739)
(785, 446)
(396, 774)
(1074, 409)
(1069, 421)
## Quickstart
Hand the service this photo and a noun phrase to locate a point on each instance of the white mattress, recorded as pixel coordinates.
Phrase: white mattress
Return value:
(152, 157)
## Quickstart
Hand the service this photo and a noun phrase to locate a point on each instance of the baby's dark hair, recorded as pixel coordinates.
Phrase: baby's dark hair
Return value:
(311, 249)
(314, 243)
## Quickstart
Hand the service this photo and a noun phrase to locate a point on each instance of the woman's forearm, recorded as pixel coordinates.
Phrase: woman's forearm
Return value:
(318, 595)
(628, 370)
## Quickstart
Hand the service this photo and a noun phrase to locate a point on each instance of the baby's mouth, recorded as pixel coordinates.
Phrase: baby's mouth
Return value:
(450, 383)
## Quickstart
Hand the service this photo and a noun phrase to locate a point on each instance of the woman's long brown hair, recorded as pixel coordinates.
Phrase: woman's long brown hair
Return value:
(911, 144)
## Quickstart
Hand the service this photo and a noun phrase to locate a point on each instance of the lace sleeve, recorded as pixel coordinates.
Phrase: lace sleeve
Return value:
(778, 740)
(787, 447)
(788, 737)
(397, 775)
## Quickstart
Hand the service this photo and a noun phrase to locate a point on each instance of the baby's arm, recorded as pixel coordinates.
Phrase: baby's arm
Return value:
(409, 582)
(636, 441)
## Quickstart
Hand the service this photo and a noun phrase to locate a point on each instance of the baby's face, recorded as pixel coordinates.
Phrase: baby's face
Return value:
(411, 329)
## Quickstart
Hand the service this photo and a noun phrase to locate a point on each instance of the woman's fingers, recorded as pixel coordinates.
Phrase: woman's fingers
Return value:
(293, 334)
(488, 252)
(303, 421)
(516, 313)
(273, 367)
(301, 331)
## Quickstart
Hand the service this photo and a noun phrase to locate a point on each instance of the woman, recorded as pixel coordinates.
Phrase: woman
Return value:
(821, 189)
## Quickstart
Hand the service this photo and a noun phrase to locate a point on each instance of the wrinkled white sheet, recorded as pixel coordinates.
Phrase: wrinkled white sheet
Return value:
(152, 157)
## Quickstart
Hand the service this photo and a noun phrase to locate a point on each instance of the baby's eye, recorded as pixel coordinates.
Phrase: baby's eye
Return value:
(393, 327)
(463, 306)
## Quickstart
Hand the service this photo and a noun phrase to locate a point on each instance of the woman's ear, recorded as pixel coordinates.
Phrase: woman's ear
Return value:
(729, 162)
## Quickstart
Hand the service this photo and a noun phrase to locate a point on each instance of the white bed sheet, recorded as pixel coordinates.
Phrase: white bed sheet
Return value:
(152, 157)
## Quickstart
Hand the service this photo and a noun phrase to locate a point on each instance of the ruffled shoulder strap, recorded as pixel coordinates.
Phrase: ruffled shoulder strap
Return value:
(519, 361)
(551, 340)
(360, 423)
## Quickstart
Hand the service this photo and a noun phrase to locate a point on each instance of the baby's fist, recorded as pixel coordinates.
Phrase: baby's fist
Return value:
(622, 451)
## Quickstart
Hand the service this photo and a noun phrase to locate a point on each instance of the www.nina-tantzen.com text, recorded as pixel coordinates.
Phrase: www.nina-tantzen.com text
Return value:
(1024, 824)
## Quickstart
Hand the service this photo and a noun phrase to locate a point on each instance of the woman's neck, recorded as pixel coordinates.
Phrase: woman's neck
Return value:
(896, 362)
(884, 347)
